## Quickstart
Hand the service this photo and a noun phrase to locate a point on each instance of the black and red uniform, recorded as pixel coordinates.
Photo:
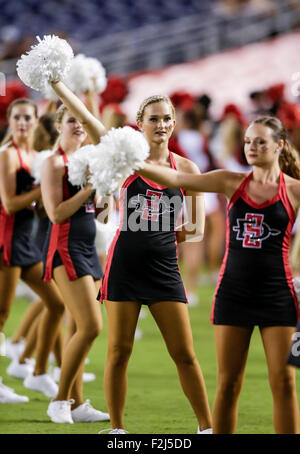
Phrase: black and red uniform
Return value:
(142, 262)
(72, 242)
(255, 284)
(16, 242)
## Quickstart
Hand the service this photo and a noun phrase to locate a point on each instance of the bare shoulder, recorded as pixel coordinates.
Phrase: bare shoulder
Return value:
(185, 165)
(9, 157)
(54, 164)
(293, 190)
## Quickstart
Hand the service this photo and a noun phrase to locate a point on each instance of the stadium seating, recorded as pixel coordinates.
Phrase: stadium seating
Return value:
(94, 18)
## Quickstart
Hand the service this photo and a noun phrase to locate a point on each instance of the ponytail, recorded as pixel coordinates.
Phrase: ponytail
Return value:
(289, 160)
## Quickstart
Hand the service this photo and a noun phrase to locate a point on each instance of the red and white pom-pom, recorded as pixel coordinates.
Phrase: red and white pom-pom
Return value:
(79, 164)
(37, 164)
(49, 60)
(122, 151)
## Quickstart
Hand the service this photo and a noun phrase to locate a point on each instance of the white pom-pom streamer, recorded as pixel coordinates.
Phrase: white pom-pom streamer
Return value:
(122, 150)
(86, 74)
(49, 60)
(6, 145)
(50, 94)
(79, 163)
(296, 283)
(97, 74)
(37, 164)
(104, 236)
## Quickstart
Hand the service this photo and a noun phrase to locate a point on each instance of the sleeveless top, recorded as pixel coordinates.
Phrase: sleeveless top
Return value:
(142, 262)
(73, 239)
(15, 229)
(255, 283)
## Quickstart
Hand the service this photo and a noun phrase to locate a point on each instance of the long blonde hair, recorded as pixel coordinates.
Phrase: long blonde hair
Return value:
(59, 114)
(20, 101)
(289, 160)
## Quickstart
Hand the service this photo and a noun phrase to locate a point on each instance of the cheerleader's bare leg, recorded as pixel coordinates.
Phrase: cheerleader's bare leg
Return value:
(232, 345)
(173, 321)
(31, 313)
(122, 318)
(80, 299)
(9, 277)
(277, 344)
(49, 324)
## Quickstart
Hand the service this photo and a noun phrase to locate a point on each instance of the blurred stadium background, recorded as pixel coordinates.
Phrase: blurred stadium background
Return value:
(222, 62)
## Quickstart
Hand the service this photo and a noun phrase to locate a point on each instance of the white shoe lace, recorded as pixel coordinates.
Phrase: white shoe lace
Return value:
(114, 431)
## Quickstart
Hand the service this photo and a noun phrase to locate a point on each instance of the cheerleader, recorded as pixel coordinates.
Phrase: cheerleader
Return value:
(19, 256)
(255, 285)
(133, 277)
(70, 258)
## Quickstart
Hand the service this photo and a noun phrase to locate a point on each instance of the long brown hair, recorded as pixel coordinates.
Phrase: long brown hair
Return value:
(8, 136)
(289, 160)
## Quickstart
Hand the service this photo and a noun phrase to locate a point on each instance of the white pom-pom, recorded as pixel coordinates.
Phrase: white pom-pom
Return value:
(37, 164)
(86, 74)
(50, 94)
(6, 145)
(296, 283)
(104, 236)
(97, 74)
(78, 164)
(123, 150)
(48, 61)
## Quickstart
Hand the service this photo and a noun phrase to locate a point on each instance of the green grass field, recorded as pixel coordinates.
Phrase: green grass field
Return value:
(155, 402)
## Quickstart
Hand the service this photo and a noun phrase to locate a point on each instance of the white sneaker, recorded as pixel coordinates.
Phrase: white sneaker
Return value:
(87, 376)
(60, 411)
(113, 431)
(42, 383)
(8, 396)
(86, 413)
(205, 431)
(14, 350)
(5, 387)
(15, 369)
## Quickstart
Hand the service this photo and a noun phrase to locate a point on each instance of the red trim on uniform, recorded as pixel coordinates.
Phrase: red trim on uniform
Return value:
(223, 266)
(286, 240)
(59, 236)
(176, 245)
(51, 251)
(24, 166)
(239, 191)
(6, 233)
(7, 221)
(127, 183)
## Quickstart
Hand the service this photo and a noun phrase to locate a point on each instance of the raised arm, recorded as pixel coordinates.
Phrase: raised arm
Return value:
(93, 126)
(11, 201)
(57, 209)
(218, 181)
